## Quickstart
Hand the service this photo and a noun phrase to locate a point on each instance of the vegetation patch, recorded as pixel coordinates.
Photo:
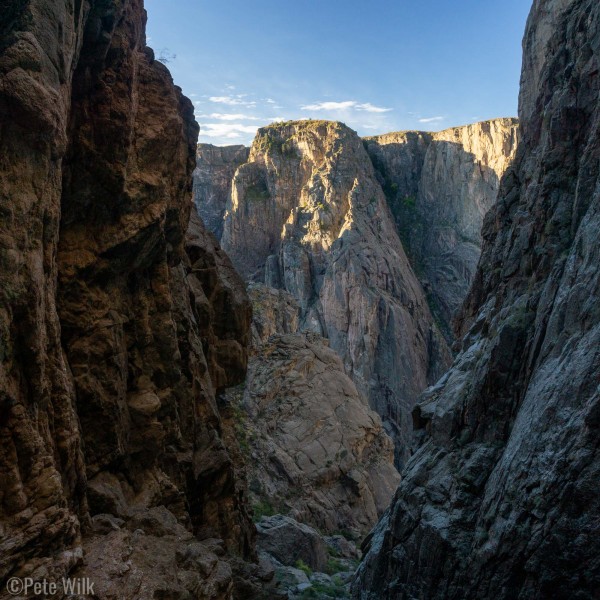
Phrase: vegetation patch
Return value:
(275, 145)
(302, 566)
(321, 590)
(257, 193)
(261, 509)
(335, 565)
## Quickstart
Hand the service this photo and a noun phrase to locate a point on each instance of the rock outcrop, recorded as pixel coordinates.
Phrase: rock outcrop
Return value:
(306, 564)
(316, 451)
(116, 334)
(215, 168)
(439, 187)
(501, 499)
(307, 215)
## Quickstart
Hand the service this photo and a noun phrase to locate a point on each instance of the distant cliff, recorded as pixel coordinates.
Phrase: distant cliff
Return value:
(215, 168)
(501, 499)
(120, 322)
(306, 214)
(439, 187)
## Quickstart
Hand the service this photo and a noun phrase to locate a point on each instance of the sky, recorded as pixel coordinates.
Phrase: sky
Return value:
(376, 65)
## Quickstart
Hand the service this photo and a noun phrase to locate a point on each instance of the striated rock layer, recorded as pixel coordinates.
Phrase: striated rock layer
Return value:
(439, 187)
(501, 500)
(307, 214)
(316, 451)
(116, 334)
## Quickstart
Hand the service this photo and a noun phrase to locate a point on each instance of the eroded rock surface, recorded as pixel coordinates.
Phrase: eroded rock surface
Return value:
(307, 215)
(215, 168)
(116, 333)
(501, 499)
(439, 187)
(317, 452)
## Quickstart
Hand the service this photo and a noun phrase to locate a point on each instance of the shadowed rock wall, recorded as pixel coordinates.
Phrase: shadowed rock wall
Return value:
(500, 500)
(118, 326)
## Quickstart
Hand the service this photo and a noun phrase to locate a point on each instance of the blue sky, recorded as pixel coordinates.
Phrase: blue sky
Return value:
(377, 65)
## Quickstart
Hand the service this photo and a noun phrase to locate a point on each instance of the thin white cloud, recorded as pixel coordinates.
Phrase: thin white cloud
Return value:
(431, 119)
(226, 130)
(271, 101)
(346, 105)
(330, 105)
(368, 107)
(232, 100)
(232, 117)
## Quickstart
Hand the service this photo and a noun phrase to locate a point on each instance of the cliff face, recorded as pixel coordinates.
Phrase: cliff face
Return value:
(439, 187)
(214, 172)
(116, 332)
(307, 215)
(316, 451)
(501, 500)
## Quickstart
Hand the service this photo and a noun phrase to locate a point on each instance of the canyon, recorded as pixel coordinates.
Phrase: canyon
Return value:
(326, 216)
(500, 499)
(350, 367)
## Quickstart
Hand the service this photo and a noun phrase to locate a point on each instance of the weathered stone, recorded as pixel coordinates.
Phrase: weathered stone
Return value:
(500, 500)
(439, 187)
(289, 542)
(316, 451)
(307, 213)
(214, 172)
(118, 325)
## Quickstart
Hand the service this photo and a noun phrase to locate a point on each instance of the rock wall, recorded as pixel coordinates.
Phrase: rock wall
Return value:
(316, 452)
(307, 214)
(215, 168)
(117, 333)
(439, 187)
(500, 501)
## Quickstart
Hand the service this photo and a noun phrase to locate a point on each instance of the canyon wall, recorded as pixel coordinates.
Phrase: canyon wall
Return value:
(501, 498)
(215, 168)
(317, 453)
(306, 214)
(119, 326)
(439, 187)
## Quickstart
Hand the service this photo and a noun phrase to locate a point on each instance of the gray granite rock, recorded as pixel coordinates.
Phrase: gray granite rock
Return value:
(501, 499)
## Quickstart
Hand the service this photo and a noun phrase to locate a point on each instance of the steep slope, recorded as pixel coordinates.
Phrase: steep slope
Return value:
(307, 215)
(116, 335)
(317, 452)
(215, 168)
(439, 187)
(501, 500)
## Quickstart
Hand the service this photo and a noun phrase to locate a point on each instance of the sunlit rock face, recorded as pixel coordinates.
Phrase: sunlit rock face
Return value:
(120, 321)
(307, 214)
(501, 499)
(317, 452)
(439, 187)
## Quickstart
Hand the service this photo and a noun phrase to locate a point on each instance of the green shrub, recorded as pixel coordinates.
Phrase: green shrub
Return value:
(320, 590)
(334, 565)
(300, 564)
(257, 193)
(262, 509)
